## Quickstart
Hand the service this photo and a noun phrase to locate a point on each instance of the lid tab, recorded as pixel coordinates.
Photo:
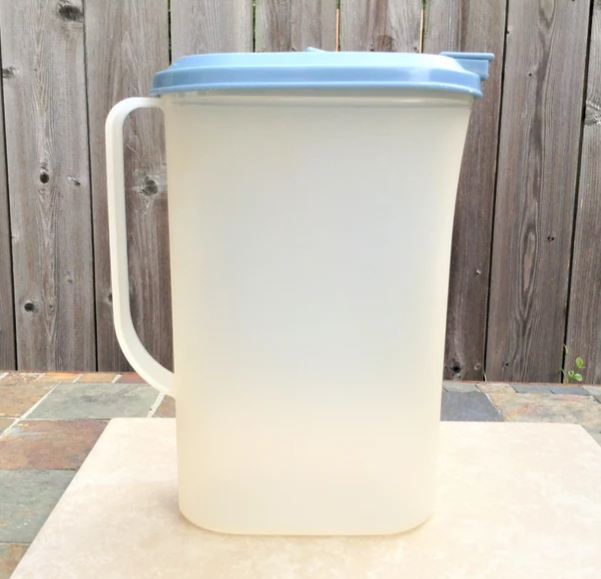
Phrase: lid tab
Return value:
(476, 62)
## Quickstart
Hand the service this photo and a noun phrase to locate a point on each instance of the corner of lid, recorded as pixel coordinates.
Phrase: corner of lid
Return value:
(476, 62)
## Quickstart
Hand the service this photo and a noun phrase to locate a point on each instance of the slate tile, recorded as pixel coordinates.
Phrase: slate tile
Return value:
(131, 378)
(78, 401)
(532, 388)
(5, 423)
(49, 444)
(56, 377)
(10, 555)
(571, 390)
(469, 407)
(544, 408)
(16, 399)
(28, 497)
(166, 408)
(457, 386)
(490, 387)
(20, 377)
(594, 391)
(97, 377)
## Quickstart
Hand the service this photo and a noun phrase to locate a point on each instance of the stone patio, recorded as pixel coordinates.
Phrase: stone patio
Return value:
(50, 422)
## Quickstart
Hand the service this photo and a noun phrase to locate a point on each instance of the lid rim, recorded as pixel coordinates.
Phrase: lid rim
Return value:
(314, 69)
(427, 86)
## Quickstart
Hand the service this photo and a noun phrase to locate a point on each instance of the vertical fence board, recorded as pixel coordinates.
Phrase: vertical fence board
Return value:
(126, 43)
(538, 159)
(47, 146)
(199, 26)
(471, 26)
(8, 359)
(284, 25)
(380, 25)
(584, 320)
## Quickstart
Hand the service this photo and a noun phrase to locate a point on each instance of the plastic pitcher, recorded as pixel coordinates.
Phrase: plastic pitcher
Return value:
(311, 201)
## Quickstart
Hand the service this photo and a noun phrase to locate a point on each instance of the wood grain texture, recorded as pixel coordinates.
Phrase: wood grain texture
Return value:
(380, 25)
(285, 25)
(47, 146)
(199, 26)
(126, 43)
(584, 320)
(8, 354)
(538, 159)
(471, 26)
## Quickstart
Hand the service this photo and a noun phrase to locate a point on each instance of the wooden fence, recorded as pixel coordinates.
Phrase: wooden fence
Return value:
(526, 266)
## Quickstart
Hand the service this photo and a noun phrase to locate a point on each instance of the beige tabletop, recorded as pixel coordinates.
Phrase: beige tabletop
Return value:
(515, 501)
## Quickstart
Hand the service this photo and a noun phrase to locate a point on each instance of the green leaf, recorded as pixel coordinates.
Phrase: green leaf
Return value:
(565, 349)
(579, 363)
(578, 377)
(571, 373)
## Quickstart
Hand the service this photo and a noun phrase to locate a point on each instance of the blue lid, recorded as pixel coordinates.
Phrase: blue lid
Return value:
(457, 72)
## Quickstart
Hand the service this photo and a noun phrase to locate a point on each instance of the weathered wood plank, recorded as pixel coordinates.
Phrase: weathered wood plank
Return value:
(126, 43)
(199, 26)
(584, 319)
(538, 158)
(471, 26)
(380, 25)
(47, 153)
(284, 25)
(8, 355)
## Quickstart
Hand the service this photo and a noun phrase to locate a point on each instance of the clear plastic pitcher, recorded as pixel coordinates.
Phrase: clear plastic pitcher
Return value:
(311, 201)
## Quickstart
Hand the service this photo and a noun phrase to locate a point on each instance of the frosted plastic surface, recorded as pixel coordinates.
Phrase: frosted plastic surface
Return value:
(310, 248)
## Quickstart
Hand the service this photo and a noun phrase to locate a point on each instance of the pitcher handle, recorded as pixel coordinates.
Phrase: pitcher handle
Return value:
(153, 372)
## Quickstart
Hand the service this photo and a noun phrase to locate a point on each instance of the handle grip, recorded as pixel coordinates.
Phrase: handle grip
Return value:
(135, 352)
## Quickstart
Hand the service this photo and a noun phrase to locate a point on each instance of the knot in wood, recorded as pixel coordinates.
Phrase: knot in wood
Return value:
(70, 12)
(592, 114)
(8, 72)
(384, 43)
(29, 306)
(149, 186)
